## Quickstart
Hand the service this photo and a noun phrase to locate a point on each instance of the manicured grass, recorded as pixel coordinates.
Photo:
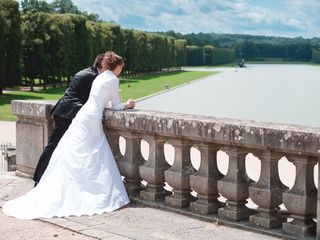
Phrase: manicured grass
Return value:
(139, 87)
(5, 100)
(210, 66)
(144, 86)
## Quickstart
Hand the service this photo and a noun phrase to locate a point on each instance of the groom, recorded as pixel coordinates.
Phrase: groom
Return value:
(66, 109)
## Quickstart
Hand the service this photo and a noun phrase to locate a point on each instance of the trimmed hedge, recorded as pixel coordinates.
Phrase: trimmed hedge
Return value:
(58, 45)
(216, 56)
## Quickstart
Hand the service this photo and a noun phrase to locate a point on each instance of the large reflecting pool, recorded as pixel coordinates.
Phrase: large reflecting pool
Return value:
(264, 92)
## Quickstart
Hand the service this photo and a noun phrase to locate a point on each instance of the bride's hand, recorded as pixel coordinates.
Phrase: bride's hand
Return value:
(130, 104)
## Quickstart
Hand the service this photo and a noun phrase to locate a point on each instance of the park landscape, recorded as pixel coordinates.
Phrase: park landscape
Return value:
(44, 43)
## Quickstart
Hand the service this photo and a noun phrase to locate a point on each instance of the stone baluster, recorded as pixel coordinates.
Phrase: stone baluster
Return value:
(113, 140)
(267, 192)
(234, 186)
(129, 166)
(178, 176)
(204, 181)
(301, 199)
(153, 169)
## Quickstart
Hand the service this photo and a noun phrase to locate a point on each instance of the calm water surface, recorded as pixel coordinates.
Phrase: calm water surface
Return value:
(270, 93)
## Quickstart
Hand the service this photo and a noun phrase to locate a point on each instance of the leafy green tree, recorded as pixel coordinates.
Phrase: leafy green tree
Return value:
(181, 52)
(92, 16)
(35, 6)
(80, 50)
(208, 55)
(316, 55)
(136, 50)
(64, 6)
(100, 38)
(11, 32)
(2, 53)
(195, 56)
(61, 30)
(216, 55)
(118, 43)
(36, 61)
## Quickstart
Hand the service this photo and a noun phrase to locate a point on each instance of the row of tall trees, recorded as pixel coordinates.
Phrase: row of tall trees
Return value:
(57, 45)
(53, 46)
(209, 55)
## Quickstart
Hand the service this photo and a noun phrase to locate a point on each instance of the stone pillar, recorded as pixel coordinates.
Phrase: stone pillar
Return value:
(153, 170)
(204, 181)
(267, 192)
(129, 166)
(33, 129)
(301, 199)
(234, 186)
(178, 176)
(113, 140)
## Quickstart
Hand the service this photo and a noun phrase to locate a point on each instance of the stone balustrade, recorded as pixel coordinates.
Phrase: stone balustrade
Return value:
(202, 192)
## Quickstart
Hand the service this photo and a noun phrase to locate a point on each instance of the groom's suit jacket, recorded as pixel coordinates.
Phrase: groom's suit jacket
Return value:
(76, 95)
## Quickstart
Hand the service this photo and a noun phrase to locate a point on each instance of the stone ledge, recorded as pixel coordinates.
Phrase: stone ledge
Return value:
(250, 134)
(32, 108)
(284, 138)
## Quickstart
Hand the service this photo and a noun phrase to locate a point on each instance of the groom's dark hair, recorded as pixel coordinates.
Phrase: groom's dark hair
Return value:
(98, 60)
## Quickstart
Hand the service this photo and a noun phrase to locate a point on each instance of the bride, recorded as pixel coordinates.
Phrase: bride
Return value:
(82, 177)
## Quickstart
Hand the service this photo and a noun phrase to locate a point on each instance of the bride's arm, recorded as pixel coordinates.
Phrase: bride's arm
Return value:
(116, 103)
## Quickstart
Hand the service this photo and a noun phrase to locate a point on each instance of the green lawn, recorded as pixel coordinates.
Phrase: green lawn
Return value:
(144, 86)
(139, 87)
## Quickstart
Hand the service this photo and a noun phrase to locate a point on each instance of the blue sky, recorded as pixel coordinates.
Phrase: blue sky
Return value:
(289, 18)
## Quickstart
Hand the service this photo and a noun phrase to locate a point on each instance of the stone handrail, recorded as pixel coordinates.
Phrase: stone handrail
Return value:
(268, 141)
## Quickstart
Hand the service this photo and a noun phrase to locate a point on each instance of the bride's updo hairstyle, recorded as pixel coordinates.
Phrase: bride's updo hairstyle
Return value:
(111, 60)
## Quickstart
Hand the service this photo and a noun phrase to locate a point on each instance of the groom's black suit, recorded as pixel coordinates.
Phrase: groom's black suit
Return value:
(64, 111)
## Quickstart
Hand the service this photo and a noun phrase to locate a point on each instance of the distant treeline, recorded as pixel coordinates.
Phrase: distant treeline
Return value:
(252, 47)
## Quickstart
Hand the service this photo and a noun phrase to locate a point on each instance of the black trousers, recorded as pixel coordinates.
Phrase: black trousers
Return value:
(60, 127)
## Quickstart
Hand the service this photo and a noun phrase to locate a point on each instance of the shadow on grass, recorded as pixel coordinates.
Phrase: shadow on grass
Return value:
(127, 80)
(59, 90)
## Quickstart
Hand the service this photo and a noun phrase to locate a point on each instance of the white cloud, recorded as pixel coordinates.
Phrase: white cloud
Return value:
(260, 17)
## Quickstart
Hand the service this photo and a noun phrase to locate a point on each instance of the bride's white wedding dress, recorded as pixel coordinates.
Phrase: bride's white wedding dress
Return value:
(82, 177)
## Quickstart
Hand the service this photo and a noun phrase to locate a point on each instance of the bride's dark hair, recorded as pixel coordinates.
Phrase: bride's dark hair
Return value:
(111, 60)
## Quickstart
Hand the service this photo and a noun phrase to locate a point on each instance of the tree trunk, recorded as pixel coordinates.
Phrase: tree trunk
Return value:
(31, 84)
(44, 84)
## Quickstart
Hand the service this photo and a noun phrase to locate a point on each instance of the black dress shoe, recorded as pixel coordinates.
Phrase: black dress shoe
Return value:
(35, 184)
